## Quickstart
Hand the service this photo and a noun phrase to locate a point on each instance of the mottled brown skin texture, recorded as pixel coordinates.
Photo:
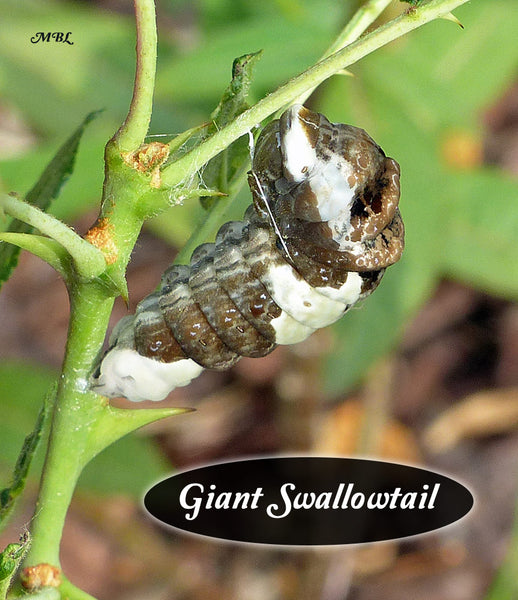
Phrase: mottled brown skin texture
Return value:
(374, 209)
(216, 309)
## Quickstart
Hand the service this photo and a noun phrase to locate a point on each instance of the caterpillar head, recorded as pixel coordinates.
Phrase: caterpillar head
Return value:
(329, 183)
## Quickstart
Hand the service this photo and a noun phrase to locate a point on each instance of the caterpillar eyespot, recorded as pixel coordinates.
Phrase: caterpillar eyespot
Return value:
(323, 226)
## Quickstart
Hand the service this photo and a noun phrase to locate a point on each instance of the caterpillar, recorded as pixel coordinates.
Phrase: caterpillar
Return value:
(323, 226)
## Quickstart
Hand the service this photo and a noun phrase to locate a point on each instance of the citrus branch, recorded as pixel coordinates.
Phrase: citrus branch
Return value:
(89, 261)
(192, 161)
(134, 129)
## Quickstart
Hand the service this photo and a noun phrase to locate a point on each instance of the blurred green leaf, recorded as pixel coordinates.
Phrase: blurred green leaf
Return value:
(219, 173)
(22, 390)
(52, 83)
(46, 189)
(126, 467)
(9, 495)
(290, 42)
(83, 190)
(55, 175)
(458, 223)
(442, 76)
(479, 243)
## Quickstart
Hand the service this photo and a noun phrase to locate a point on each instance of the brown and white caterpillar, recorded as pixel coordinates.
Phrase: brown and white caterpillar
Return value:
(323, 226)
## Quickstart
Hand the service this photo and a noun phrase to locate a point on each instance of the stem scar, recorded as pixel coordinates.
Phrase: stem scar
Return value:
(148, 159)
(100, 235)
(41, 575)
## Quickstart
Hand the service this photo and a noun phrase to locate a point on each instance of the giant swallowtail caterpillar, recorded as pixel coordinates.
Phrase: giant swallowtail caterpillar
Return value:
(323, 226)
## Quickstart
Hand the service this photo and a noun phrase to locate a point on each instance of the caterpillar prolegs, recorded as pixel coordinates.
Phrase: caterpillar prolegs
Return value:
(323, 226)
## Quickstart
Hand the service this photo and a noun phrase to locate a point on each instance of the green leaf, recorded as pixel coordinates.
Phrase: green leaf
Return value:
(291, 42)
(479, 243)
(51, 83)
(126, 467)
(60, 168)
(10, 560)
(22, 389)
(82, 191)
(48, 250)
(227, 165)
(45, 190)
(442, 76)
(458, 223)
(234, 101)
(9, 495)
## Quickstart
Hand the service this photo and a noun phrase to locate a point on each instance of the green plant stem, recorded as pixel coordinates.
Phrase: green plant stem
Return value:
(359, 22)
(75, 412)
(134, 129)
(70, 591)
(192, 161)
(47, 593)
(83, 422)
(125, 189)
(363, 17)
(48, 250)
(81, 417)
(89, 261)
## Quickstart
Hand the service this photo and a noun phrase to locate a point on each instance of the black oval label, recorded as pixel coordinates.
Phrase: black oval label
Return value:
(308, 501)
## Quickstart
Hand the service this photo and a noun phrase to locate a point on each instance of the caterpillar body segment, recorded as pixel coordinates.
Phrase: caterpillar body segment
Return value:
(323, 227)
